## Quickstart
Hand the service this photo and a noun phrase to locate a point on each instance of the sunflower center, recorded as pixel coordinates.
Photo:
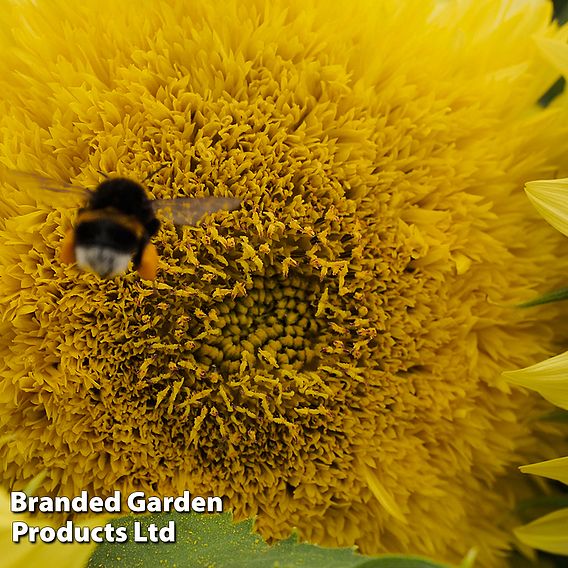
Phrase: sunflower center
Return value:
(272, 326)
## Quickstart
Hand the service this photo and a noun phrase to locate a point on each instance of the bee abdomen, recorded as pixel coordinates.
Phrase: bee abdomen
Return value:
(108, 233)
(105, 261)
(105, 246)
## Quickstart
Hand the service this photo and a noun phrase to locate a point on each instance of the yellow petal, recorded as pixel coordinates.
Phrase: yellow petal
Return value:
(556, 52)
(553, 469)
(549, 533)
(550, 198)
(549, 378)
(25, 553)
(382, 495)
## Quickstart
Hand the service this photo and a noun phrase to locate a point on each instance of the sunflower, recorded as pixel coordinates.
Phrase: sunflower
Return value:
(549, 378)
(329, 356)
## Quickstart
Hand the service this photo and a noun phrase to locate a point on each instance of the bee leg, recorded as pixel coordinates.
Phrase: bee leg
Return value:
(149, 262)
(67, 253)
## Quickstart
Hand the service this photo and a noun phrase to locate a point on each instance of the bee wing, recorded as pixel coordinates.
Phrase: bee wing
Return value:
(31, 182)
(188, 210)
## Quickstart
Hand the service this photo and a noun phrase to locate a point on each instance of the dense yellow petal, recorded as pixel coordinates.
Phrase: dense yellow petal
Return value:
(381, 495)
(556, 51)
(549, 533)
(553, 469)
(550, 199)
(549, 378)
(349, 319)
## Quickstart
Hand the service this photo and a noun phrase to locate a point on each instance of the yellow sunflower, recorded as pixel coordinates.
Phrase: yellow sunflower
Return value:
(550, 379)
(329, 356)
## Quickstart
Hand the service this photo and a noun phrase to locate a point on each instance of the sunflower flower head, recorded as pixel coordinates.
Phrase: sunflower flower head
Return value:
(328, 356)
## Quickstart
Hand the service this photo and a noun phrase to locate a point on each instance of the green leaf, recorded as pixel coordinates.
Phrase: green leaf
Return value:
(214, 541)
(555, 296)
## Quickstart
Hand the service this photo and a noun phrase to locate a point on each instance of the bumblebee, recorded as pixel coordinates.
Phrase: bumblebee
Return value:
(117, 222)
